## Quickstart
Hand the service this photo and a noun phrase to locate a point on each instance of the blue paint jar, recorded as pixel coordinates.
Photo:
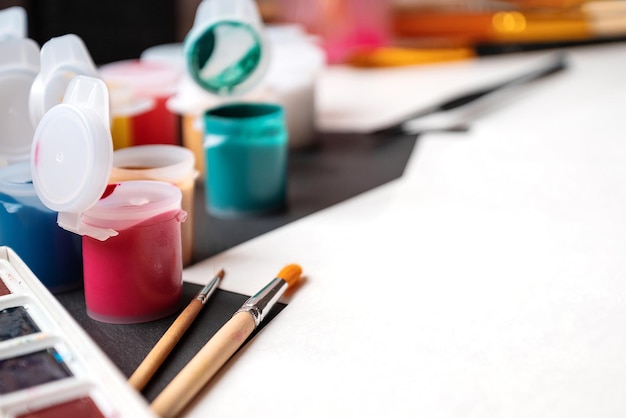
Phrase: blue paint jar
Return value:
(27, 226)
(245, 149)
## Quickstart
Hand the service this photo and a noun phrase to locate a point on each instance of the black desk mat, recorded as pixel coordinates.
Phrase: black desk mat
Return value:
(127, 345)
(338, 167)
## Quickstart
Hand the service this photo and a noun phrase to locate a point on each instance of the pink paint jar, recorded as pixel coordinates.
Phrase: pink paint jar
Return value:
(152, 80)
(132, 253)
(136, 275)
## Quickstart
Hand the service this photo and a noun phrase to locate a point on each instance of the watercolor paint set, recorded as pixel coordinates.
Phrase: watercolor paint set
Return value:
(49, 366)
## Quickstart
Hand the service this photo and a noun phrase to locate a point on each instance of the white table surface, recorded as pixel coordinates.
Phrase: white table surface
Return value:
(488, 281)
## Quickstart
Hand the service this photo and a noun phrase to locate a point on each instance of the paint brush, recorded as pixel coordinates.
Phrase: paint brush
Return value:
(555, 64)
(216, 352)
(174, 333)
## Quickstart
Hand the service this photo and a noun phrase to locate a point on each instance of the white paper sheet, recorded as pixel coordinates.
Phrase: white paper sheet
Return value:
(489, 281)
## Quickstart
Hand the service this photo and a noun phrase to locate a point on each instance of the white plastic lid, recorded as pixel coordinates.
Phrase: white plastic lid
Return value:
(62, 58)
(125, 104)
(130, 203)
(13, 23)
(169, 54)
(145, 78)
(72, 154)
(19, 65)
(226, 51)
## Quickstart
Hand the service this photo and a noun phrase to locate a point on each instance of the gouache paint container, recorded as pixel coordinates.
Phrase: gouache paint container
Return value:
(26, 224)
(131, 231)
(148, 80)
(170, 163)
(291, 80)
(246, 155)
(125, 107)
(225, 54)
(31, 230)
(190, 102)
(245, 143)
(136, 275)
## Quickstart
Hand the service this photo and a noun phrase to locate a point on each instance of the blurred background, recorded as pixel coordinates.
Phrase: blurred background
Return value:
(350, 30)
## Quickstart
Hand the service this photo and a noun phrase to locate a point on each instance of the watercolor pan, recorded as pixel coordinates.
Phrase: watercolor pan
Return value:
(16, 322)
(49, 366)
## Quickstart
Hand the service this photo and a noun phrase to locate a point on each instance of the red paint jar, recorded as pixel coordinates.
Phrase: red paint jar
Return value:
(132, 252)
(147, 80)
(136, 275)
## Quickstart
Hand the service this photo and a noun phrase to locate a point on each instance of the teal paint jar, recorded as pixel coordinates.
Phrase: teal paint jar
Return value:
(245, 149)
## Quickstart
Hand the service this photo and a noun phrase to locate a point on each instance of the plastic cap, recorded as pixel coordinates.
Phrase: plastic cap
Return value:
(13, 23)
(226, 51)
(124, 103)
(144, 78)
(130, 203)
(72, 154)
(168, 54)
(62, 58)
(19, 65)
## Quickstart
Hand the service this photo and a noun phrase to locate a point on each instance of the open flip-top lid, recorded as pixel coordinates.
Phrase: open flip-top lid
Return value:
(71, 162)
(13, 23)
(19, 65)
(62, 58)
(72, 154)
(226, 51)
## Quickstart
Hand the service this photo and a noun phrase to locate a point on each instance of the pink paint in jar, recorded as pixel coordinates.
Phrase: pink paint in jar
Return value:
(136, 275)
(132, 254)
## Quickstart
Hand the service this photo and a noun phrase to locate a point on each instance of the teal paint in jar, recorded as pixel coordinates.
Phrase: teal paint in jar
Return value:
(246, 154)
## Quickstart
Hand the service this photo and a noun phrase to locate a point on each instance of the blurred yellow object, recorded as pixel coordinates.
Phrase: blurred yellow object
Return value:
(121, 132)
(539, 26)
(395, 56)
(563, 4)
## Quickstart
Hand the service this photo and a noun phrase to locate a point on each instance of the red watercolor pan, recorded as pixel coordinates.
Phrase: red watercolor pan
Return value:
(4, 290)
(83, 407)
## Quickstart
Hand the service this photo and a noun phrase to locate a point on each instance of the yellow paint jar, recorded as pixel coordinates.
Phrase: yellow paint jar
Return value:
(161, 162)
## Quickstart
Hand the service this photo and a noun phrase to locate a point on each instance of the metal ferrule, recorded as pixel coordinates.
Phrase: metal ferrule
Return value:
(208, 290)
(261, 303)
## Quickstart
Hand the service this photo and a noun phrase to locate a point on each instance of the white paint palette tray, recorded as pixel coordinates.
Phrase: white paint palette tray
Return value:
(49, 366)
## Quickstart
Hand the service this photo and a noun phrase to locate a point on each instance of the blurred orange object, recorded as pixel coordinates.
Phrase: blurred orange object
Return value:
(396, 57)
(498, 26)
(548, 4)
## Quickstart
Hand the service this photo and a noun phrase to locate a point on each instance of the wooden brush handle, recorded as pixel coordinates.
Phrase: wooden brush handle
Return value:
(164, 346)
(203, 365)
